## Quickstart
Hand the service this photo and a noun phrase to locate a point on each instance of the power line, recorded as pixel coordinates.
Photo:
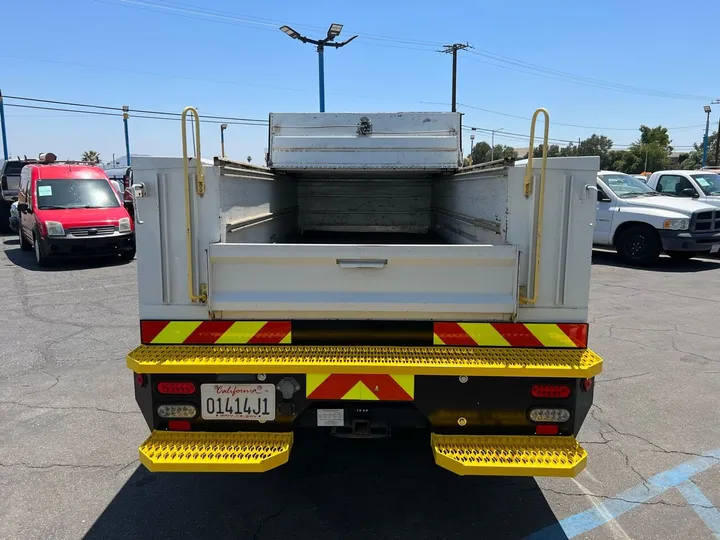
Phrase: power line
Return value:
(453, 49)
(506, 62)
(143, 111)
(119, 115)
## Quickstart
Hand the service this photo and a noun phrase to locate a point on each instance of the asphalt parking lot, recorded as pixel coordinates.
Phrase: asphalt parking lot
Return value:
(69, 431)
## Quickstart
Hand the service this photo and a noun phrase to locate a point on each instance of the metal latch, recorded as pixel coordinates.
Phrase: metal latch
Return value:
(365, 126)
(138, 192)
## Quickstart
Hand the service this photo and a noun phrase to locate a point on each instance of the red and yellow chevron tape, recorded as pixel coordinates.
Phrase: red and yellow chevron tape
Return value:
(215, 332)
(538, 335)
(361, 387)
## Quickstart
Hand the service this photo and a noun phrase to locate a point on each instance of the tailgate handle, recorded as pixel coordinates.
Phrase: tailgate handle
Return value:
(362, 263)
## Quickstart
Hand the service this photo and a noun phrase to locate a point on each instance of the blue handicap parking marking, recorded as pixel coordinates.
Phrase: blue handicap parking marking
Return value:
(577, 524)
(702, 506)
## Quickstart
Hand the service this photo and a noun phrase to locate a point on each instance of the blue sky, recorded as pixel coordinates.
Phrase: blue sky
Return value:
(229, 59)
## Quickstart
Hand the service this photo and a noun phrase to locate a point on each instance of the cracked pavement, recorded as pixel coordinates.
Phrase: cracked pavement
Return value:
(70, 429)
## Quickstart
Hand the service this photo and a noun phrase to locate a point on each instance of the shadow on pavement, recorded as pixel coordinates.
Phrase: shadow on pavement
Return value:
(664, 264)
(26, 260)
(331, 489)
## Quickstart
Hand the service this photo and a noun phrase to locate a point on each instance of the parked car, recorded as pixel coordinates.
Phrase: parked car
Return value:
(641, 223)
(9, 182)
(71, 210)
(701, 185)
(14, 217)
(124, 176)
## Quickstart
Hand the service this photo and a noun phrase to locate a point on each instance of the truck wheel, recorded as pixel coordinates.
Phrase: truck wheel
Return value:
(4, 218)
(127, 255)
(40, 258)
(682, 255)
(639, 245)
(24, 244)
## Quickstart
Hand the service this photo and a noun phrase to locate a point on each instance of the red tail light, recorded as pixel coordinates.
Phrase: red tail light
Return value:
(555, 391)
(175, 387)
(544, 429)
(179, 425)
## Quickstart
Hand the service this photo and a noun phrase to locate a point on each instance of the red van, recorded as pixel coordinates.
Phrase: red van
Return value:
(72, 210)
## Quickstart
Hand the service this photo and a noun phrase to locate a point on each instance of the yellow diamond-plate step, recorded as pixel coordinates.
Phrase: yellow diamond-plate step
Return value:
(497, 455)
(188, 451)
(478, 361)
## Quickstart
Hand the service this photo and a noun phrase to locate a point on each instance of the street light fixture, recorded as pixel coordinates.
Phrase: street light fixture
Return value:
(333, 32)
(223, 127)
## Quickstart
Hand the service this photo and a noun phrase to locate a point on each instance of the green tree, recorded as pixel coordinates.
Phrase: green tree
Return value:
(503, 151)
(553, 151)
(658, 135)
(91, 156)
(693, 159)
(597, 145)
(480, 153)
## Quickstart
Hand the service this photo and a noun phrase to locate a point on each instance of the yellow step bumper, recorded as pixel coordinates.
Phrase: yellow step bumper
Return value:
(186, 451)
(495, 455)
(477, 361)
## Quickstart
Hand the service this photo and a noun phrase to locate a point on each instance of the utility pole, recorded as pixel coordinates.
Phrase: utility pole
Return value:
(492, 145)
(453, 49)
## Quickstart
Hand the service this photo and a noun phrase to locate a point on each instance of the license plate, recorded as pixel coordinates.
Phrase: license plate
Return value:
(238, 401)
(715, 248)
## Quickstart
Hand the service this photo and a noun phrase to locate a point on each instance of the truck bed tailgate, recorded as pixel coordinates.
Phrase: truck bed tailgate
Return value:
(329, 279)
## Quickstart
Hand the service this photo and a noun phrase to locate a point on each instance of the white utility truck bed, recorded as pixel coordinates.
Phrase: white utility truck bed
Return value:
(365, 250)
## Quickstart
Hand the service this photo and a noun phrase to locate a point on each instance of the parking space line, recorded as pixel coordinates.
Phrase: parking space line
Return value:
(702, 506)
(588, 520)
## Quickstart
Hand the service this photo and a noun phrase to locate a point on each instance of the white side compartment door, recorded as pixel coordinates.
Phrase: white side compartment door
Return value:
(399, 281)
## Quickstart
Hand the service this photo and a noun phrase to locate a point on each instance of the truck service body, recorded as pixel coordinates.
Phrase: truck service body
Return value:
(364, 282)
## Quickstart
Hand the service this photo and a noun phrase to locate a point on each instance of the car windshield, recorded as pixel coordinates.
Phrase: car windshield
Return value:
(77, 193)
(708, 182)
(625, 186)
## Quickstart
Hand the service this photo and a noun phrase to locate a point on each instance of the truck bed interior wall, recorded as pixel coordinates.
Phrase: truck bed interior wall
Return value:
(365, 204)
(471, 207)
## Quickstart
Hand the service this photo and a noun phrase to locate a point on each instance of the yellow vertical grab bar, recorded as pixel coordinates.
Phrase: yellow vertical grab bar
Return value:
(527, 189)
(200, 190)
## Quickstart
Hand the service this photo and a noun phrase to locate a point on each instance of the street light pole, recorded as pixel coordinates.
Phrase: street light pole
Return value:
(328, 41)
(708, 110)
(223, 127)
(492, 146)
(126, 115)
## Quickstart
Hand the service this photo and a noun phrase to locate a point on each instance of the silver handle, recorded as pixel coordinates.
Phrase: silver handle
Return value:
(362, 263)
(138, 192)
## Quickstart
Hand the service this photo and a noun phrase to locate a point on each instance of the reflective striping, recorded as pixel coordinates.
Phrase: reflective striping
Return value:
(272, 332)
(208, 332)
(503, 334)
(195, 451)
(176, 332)
(550, 335)
(433, 360)
(215, 332)
(510, 455)
(486, 334)
(240, 332)
(364, 387)
(517, 335)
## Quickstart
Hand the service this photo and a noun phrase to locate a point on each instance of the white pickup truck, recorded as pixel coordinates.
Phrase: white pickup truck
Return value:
(641, 223)
(703, 186)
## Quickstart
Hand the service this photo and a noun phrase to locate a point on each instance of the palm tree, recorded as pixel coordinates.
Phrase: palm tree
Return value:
(91, 156)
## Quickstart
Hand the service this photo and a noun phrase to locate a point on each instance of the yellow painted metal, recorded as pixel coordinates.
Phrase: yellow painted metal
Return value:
(498, 455)
(524, 299)
(196, 451)
(550, 335)
(200, 190)
(471, 361)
